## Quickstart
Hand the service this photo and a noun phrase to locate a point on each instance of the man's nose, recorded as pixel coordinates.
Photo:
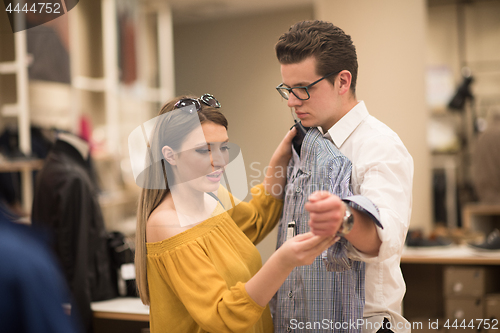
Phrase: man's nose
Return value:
(293, 100)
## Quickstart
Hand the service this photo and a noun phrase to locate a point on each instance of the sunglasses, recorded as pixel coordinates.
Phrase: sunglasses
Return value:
(207, 99)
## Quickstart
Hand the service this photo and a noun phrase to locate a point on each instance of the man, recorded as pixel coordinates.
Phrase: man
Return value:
(319, 72)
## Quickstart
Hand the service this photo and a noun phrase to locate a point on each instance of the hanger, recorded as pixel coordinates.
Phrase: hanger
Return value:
(79, 144)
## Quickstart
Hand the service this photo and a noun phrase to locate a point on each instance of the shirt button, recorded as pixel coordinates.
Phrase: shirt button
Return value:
(298, 189)
(290, 294)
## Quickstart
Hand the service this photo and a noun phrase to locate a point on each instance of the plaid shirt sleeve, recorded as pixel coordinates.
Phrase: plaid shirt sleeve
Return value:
(336, 257)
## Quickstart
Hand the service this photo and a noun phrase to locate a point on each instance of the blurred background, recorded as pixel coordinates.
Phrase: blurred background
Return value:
(428, 69)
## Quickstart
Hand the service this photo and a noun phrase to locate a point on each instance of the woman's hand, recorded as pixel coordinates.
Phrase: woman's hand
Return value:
(298, 251)
(275, 179)
(284, 150)
(304, 248)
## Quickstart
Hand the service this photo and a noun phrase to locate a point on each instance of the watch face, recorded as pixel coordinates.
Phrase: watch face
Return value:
(347, 222)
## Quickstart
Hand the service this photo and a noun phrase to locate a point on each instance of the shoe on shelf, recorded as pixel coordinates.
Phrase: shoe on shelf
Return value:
(492, 242)
(415, 238)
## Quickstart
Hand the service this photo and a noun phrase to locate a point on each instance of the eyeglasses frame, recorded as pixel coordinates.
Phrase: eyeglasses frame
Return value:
(280, 87)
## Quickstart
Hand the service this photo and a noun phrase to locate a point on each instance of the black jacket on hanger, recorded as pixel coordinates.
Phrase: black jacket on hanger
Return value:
(65, 201)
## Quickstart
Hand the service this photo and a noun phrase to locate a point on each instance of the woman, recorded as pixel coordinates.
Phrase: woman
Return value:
(196, 262)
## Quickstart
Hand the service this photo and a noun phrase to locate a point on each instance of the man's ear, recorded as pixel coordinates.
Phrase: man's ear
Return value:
(344, 79)
(169, 155)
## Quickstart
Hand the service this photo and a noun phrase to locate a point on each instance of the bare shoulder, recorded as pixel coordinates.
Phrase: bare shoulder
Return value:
(162, 224)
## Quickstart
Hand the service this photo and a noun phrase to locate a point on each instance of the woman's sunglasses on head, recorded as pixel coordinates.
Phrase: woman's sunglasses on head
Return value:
(206, 99)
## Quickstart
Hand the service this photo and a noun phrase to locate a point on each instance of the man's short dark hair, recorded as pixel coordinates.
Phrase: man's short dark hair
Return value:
(330, 45)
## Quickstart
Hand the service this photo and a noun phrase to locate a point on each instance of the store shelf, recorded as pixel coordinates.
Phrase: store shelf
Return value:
(89, 83)
(481, 216)
(449, 255)
(126, 308)
(8, 67)
(20, 110)
(424, 297)
(20, 165)
(11, 67)
(10, 110)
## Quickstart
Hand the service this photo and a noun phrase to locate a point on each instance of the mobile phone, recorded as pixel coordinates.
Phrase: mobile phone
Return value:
(299, 137)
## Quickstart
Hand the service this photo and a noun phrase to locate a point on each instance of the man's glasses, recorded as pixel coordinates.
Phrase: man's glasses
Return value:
(302, 92)
(206, 99)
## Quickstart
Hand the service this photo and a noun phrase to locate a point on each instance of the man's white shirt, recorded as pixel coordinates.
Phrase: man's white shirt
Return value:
(382, 171)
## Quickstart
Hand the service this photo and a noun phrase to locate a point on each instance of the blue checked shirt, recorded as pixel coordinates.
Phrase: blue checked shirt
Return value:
(327, 296)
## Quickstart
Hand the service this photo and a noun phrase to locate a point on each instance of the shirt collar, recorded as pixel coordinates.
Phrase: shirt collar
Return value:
(347, 124)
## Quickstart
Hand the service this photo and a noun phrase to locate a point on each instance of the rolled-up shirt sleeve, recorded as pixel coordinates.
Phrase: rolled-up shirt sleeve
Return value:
(338, 256)
(387, 181)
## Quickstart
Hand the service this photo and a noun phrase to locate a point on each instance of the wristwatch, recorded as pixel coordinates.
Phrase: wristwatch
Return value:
(347, 222)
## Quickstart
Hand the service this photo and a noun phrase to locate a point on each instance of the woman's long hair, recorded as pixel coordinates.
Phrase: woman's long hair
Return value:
(169, 131)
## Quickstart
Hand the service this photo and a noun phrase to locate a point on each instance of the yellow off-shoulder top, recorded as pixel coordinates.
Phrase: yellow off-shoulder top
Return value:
(197, 278)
